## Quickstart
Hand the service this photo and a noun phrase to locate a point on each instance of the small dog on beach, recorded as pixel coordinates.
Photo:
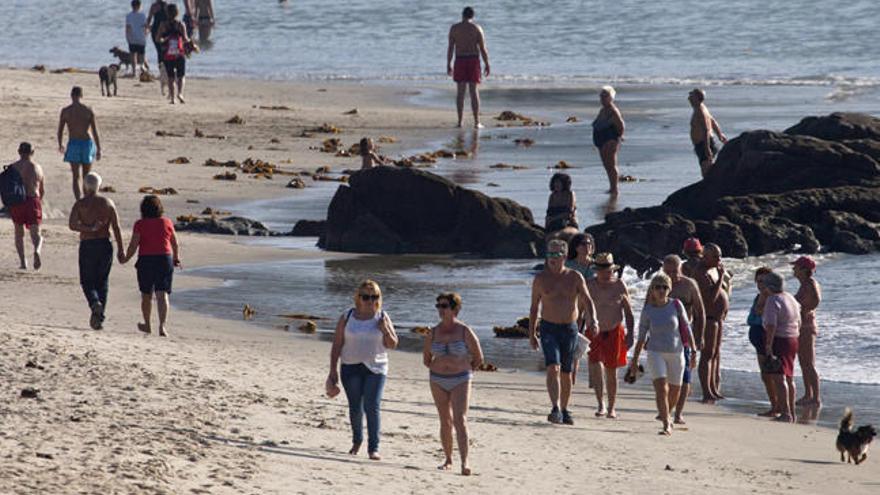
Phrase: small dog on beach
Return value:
(125, 58)
(854, 443)
(107, 76)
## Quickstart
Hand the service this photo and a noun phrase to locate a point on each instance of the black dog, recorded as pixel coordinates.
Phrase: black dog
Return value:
(854, 443)
(125, 58)
(107, 76)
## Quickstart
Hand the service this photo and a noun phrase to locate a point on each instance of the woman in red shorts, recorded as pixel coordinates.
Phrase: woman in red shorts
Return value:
(782, 323)
(154, 239)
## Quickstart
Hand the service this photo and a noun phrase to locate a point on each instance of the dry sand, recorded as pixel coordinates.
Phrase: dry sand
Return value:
(227, 407)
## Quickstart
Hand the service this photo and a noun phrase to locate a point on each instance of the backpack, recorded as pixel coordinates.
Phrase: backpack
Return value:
(174, 45)
(12, 191)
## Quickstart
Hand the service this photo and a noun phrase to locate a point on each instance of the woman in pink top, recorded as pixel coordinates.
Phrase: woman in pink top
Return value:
(155, 241)
(782, 324)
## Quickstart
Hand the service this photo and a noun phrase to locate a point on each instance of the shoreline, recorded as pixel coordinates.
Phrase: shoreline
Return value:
(223, 407)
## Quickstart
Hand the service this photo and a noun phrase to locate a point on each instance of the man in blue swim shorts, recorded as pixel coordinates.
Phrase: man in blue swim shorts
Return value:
(562, 298)
(81, 150)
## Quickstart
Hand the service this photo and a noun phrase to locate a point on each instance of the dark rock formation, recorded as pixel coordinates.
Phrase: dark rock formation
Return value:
(400, 210)
(226, 226)
(815, 186)
(309, 228)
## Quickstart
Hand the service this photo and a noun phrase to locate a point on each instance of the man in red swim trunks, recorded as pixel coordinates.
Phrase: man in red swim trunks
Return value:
(467, 42)
(30, 213)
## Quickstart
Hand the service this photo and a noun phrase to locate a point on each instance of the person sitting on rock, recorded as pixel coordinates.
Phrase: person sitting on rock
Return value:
(562, 204)
(369, 158)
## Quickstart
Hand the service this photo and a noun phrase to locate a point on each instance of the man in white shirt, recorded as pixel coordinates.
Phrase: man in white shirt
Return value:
(136, 35)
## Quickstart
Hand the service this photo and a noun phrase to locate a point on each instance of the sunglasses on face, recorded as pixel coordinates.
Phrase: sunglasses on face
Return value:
(369, 297)
(442, 306)
(555, 254)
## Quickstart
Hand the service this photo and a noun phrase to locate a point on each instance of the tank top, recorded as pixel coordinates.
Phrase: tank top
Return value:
(158, 18)
(363, 343)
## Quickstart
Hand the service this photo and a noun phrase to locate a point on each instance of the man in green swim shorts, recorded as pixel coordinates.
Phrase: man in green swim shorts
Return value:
(80, 151)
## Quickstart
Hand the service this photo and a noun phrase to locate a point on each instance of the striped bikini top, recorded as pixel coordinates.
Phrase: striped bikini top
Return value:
(457, 348)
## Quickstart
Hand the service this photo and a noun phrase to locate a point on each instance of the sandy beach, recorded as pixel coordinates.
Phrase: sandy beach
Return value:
(229, 407)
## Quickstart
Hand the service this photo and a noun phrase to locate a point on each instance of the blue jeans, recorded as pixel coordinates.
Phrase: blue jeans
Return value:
(364, 391)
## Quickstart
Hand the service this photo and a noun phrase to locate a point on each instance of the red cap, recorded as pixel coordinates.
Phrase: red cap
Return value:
(805, 262)
(692, 245)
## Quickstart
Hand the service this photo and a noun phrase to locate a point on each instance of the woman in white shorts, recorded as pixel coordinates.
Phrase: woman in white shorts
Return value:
(664, 321)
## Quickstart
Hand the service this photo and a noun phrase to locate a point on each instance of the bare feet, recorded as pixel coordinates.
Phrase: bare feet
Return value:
(601, 411)
(355, 447)
(144, 327)
(667, 429)
(180, 98)
(446, 466)
(22, 266)
(465, 470)
(679, 421)
(374, 456)
(163, 332)
(38, 262)
(784, 418)
(768, 414)
(612, 414)
(458, 125)
(708, 400)
(479, 126)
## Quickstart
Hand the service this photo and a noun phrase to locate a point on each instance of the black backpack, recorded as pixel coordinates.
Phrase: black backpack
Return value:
(12, 191)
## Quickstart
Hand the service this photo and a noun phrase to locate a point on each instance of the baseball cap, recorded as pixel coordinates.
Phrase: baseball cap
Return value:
(692, 244)
(805, 262)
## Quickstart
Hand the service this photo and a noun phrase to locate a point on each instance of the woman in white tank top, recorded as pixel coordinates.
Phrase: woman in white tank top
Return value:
(363, 335)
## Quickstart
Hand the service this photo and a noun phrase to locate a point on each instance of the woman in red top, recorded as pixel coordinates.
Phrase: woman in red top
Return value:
(154, 239)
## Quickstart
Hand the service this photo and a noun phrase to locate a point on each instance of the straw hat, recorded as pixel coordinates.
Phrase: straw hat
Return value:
(604, 261)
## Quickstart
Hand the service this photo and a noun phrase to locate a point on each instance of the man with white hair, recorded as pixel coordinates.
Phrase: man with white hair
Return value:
(561, 297)
(93, 216)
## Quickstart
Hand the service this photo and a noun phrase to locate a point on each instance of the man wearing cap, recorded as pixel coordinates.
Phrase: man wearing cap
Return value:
(561, 297)
(703, 125)
(29, 214)
(693, 251)
(93, 216)
(782, 320)
(686, 290)
(809, 295)
(710, 276)
(608, 347)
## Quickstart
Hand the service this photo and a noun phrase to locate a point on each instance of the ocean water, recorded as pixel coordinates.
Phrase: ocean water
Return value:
(765, 64)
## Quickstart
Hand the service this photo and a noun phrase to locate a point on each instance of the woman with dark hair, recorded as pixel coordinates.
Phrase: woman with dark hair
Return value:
(363, 336)
(156, 17)
(756, 337)
(155, 241)
(173, 39)
(562, 205)
(607, 134)
(452, 351)
(580, 255)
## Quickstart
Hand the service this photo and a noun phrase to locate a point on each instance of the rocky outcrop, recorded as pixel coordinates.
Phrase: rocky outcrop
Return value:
(226, 226)
(401, 210)
(309, 228)
(815, 186)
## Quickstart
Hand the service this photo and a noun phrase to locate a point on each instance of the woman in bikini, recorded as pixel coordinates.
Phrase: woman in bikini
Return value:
(607, 134)
(363, 335)
(452, 351)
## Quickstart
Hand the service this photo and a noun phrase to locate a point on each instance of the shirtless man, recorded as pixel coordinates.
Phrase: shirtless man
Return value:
(467, 42)
(93, 216)
(685, 289)
(693, 251)
(81, 151)
(710, 277)
(30, 213)
(189, 17)
(809, 295)
(703, 125)
(608, 347)
(561, 297)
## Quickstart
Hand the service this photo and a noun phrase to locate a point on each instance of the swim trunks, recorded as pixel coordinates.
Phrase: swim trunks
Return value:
(28, 213)
(137, 48)
(700, 149)
(609, 348)
(559, 341)
(786, 349)
(467, 69)
(82, 151)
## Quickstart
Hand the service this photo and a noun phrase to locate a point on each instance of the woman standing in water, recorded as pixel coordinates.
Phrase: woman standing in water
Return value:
(607, 134)
(363, 335)
(452, 351)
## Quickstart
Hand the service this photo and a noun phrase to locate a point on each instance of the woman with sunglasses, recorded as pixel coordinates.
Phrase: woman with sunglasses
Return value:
(363, 335)
(452, 351)
(580, 255)
(663, 320)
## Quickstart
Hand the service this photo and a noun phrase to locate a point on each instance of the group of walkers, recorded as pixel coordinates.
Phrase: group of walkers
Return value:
(581, 307)
(94, 216)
